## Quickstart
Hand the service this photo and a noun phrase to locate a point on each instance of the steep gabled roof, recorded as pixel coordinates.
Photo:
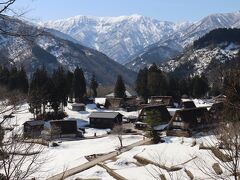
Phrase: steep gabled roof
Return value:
(35, 123)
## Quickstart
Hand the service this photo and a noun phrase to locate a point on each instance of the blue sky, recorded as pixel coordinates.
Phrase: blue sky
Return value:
(171, 10)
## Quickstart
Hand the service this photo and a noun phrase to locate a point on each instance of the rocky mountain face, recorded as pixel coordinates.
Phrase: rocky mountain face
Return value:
(211, 55)
(137, 41)
(118, 37)
(32, 47)
(183, 38)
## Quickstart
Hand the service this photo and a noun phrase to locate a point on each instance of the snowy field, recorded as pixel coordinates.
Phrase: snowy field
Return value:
(183, 153)
(72, 153)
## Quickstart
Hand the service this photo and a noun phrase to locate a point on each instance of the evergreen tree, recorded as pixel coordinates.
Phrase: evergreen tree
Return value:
(22, 77)
(39, 91)
(157, 82)
(232, 92)
(13, 81)
(79, 84)
(199, 86)
(173, 89)
(4, 76)
(94, 85)
(59, 80)
(69, 85)
(120, 89)
(142, 83)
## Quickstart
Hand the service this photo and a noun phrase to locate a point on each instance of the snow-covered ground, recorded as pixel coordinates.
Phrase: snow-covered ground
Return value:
(180, 152)
(175, 151)
(72, 153)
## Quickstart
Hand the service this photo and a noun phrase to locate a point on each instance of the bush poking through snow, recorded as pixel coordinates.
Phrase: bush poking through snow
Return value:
(223, 157)
(189, 174)
(217, 169)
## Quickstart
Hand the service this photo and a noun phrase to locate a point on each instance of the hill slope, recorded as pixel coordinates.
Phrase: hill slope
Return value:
(118, 37)
(45, 48)
(184, 37)
(211, 54)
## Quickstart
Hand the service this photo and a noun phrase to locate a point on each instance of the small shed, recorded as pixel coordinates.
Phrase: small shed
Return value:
(163, 100)
(32, 129)
(161, 112)
(104, 120)
(187, 120)
(78, 107)
(64, 128)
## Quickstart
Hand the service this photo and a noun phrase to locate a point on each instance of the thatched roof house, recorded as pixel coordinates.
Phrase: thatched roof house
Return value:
(105, 119)
(163, 100)
(32, 129)
(216, 112)
(161, 113)
(187, 120)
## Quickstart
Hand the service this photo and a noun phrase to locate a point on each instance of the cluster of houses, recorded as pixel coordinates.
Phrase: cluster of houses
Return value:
(180, 119)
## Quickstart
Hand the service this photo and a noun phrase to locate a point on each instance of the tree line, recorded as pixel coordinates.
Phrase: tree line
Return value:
(154, 82)
(47, 90)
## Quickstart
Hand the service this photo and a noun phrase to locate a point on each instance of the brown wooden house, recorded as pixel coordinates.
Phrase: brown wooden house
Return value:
(220, 98)
(163, 100)
(185, 121)
(105, 119)
(161, 110)
(114, 103)
(33, 129)
(216, 112)
(78, 107)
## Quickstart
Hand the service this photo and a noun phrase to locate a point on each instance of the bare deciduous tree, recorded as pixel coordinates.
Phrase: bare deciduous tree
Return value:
(118, 130)
(18, 159)
(225, 149)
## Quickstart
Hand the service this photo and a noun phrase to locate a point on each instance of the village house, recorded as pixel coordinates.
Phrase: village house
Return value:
(114, 103)
(61, 129)
(219, 98)
(105, 119)
(185, 121)
(160, 111)
(216, 112)
(78, 107)
(32, 129)
(163, 100)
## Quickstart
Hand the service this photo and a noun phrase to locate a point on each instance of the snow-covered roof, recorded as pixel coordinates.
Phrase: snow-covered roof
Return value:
(100, 101)
(160, 127)
(106, 115)
(128, 94)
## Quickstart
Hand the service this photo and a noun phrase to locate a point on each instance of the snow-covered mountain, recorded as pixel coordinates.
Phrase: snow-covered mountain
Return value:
(118, 37)
(130, 39)
(32, 47)
(182, 38)
(215, 52)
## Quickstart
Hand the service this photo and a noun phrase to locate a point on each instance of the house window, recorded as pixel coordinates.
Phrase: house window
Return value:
(179, 124)
(199, 120)
(178, 118)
